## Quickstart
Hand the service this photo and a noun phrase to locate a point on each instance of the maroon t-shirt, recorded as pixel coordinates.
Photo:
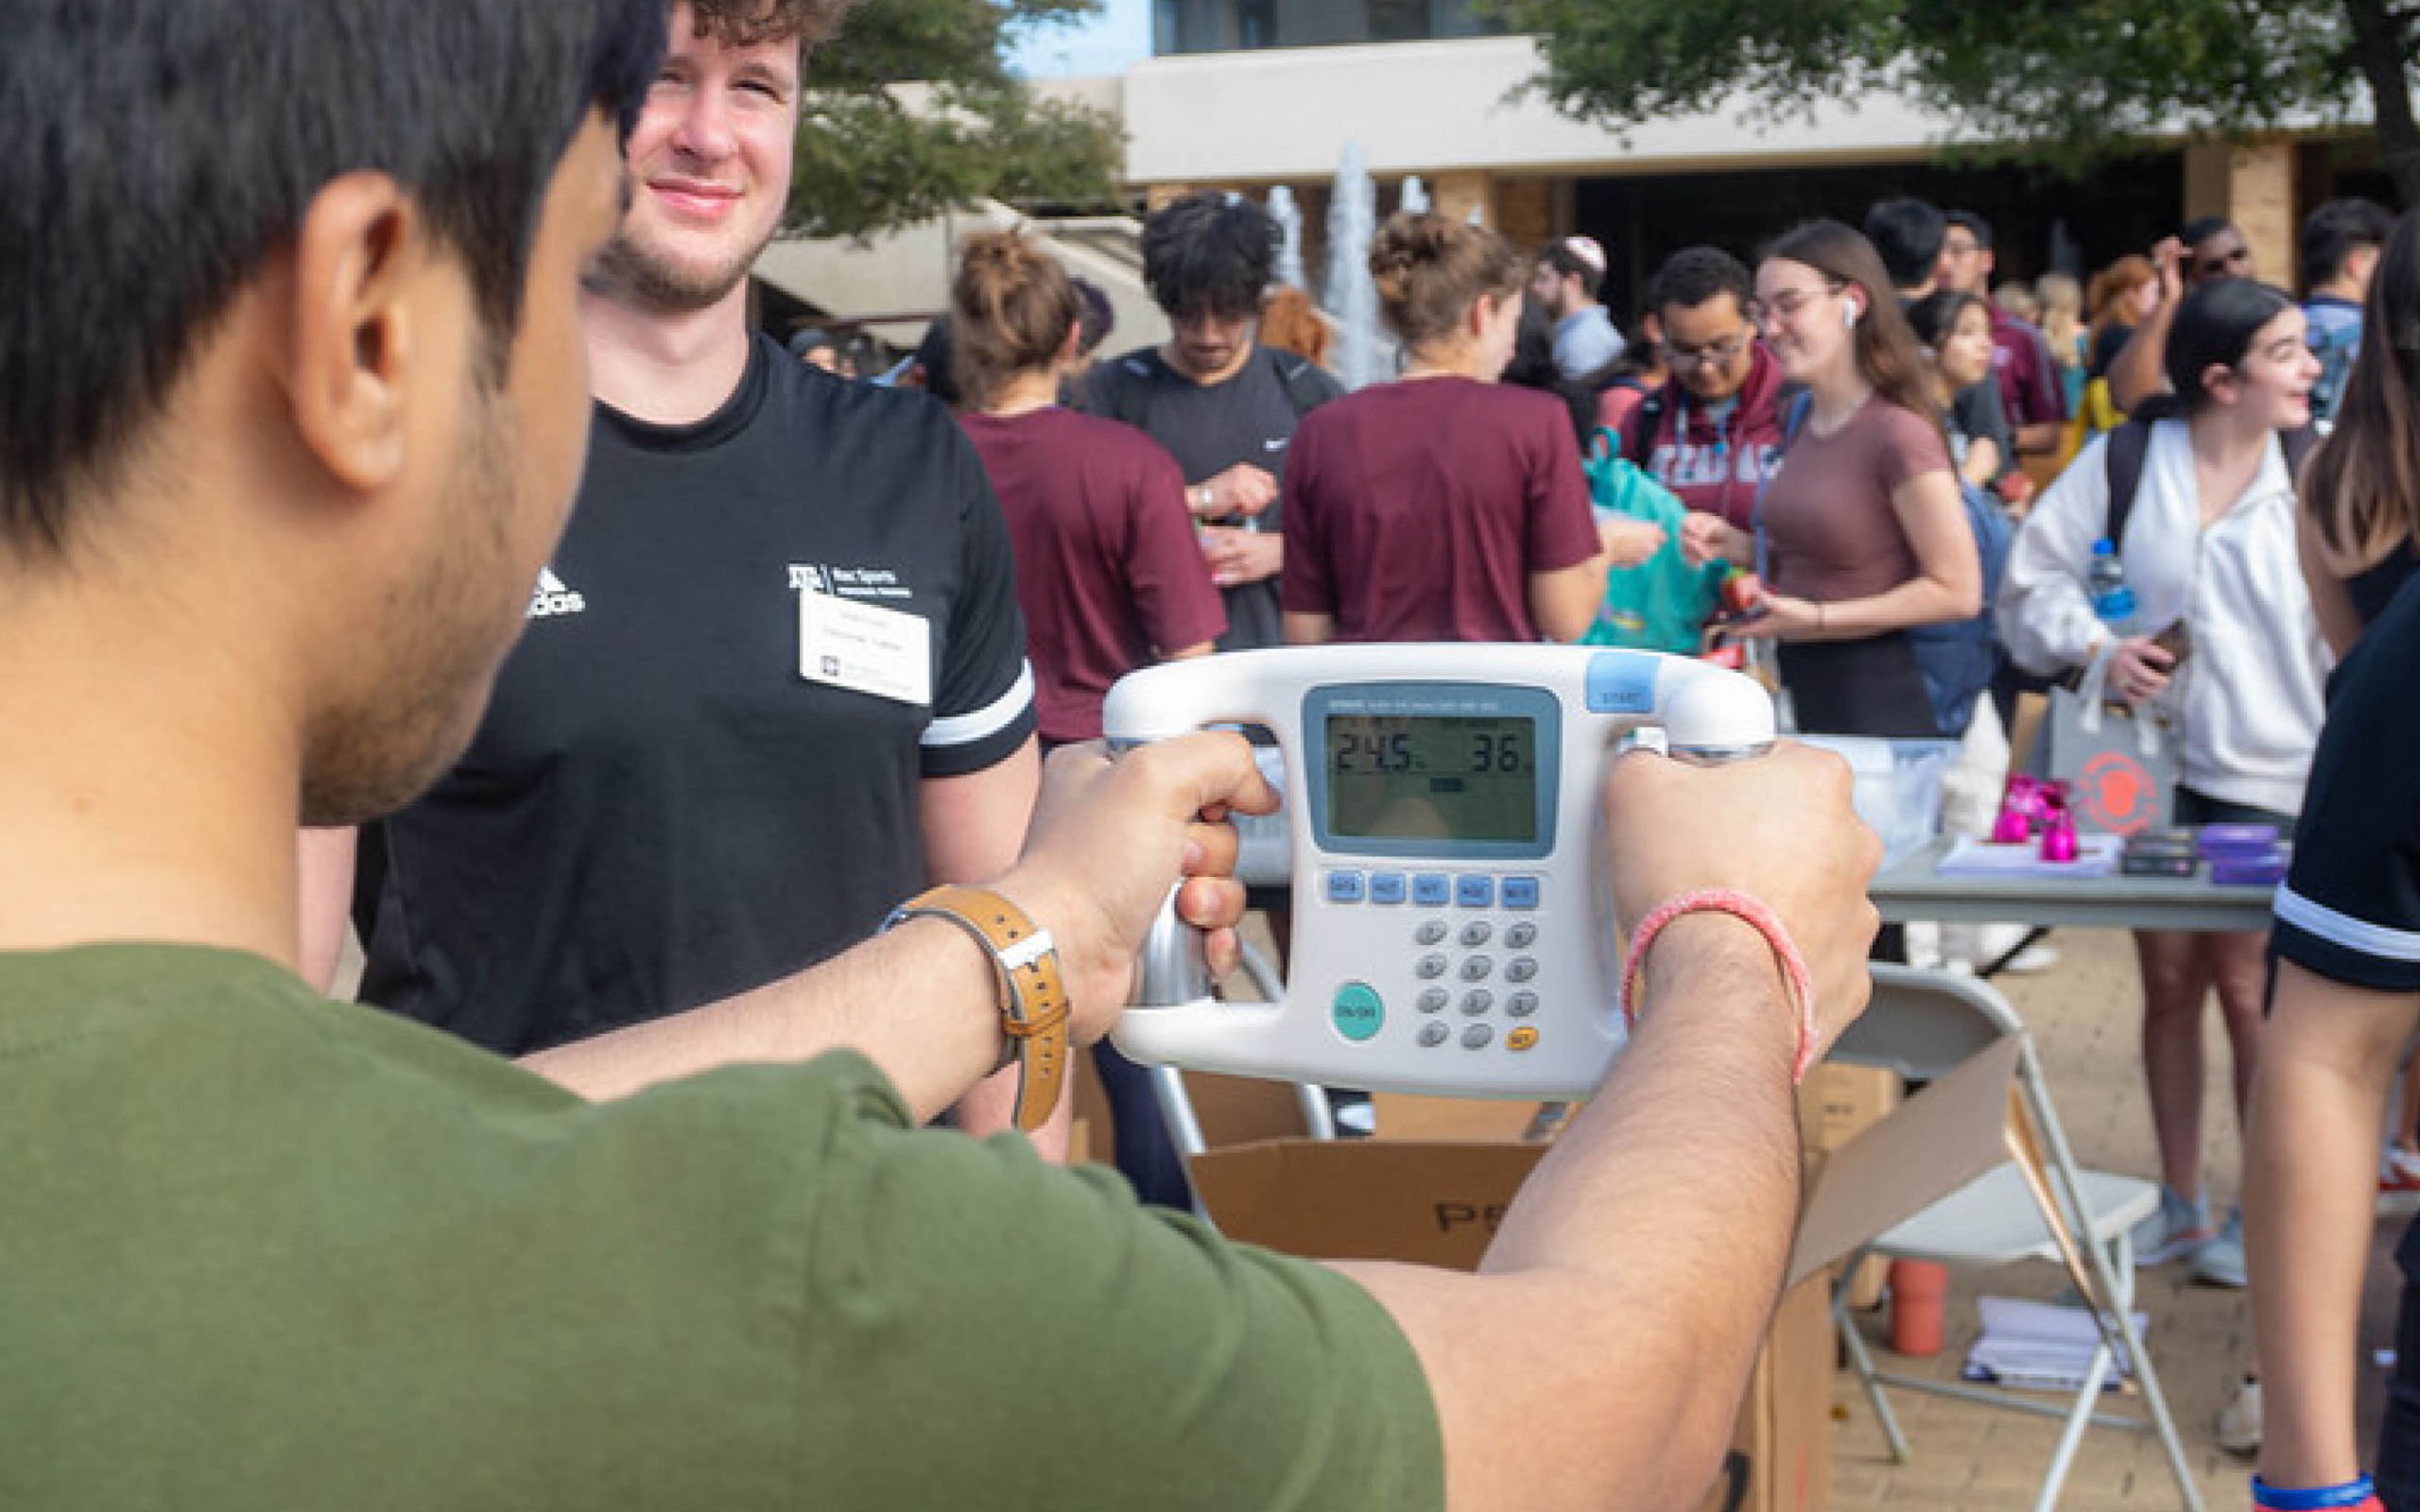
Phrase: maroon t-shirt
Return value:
(1834, 533)
(1108, 570)
(1417, 510)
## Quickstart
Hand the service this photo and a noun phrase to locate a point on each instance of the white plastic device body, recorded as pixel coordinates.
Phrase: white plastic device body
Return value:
(1451, 934)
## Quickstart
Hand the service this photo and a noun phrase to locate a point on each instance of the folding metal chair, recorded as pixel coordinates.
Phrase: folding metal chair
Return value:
(2036, 1205)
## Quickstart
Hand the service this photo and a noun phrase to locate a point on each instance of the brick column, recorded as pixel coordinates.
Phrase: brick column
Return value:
(1457, 193)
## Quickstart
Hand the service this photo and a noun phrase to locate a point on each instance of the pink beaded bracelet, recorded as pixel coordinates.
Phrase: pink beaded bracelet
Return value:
(1742, 906)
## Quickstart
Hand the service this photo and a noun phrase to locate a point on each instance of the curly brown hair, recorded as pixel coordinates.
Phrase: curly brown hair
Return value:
(745, 23)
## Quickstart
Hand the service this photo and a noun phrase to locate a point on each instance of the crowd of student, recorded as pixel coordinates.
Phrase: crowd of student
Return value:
(1858, 422)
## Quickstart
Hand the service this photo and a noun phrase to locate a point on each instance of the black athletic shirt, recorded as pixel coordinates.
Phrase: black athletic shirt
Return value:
(2350, 908)
(1209, 428)
(660, 809)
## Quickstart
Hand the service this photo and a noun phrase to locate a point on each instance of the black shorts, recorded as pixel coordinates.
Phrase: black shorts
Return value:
(2191, 810)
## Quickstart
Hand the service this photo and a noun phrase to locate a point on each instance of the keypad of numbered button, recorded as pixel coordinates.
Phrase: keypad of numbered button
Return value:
(1433, 1035)
(1431, 967)
(1520, 969)
(1431, 931)
(1475, 933)
(1432, 1000)
(1521, 936)
(1478, 1001)
(1476, 968)
(1521, 1005)
(1477, 1036)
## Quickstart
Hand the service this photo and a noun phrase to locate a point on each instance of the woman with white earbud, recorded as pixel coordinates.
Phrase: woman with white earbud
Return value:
(1864, 533)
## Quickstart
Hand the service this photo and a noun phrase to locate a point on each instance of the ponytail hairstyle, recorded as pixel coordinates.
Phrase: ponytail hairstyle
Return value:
(1430, 269)
(1887, 355)
(2362, 485)
(1010, 309)
(2214, 327)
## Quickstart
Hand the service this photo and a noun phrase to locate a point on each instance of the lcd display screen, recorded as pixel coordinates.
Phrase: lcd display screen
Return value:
(1424, 778)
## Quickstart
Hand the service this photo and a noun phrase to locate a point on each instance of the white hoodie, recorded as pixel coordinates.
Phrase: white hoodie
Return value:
(2249, 699)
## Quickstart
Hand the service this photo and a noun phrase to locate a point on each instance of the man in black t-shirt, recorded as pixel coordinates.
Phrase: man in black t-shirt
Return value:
(1223, 406)
(2346, 1002)
(774, 677)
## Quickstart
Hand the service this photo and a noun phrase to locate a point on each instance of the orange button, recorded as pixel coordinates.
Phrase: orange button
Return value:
(1521, 1039)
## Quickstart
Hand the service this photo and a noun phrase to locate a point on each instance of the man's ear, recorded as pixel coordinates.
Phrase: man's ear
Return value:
(351, 326)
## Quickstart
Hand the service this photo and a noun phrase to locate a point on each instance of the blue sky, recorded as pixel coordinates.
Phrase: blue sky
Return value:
(1119, 35)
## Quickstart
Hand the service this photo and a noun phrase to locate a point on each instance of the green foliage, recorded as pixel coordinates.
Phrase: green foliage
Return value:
(872, 156)
(2064, 82)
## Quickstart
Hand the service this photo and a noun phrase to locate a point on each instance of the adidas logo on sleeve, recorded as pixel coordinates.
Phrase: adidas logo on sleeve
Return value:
(553, 597)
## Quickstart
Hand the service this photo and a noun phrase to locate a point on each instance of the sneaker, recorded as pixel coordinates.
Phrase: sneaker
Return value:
(2033, 959)
(2179, 1229)
(2220, 1262)
(2239, 1424)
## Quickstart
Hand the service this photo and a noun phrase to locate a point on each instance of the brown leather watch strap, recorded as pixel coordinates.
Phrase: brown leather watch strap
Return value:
(1025, 967)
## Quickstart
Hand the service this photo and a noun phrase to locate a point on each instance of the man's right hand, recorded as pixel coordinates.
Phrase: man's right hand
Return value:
(1242, 489)
(1778, 827)
(2167, 268)
(1111, 837)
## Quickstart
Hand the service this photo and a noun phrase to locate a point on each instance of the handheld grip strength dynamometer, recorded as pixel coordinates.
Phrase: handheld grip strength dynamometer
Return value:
(1442, 820)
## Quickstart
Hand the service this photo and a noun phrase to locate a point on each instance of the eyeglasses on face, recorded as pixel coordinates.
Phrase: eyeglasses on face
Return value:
(1712, 355)
(1786, 306)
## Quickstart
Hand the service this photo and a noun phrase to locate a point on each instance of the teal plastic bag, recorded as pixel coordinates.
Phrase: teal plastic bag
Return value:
(1663, 603)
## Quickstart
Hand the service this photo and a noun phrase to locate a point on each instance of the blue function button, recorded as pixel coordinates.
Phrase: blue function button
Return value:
(1344, 887)
(1474, 892)
(1431, 890)
(1386, 887)
(1621, 683)
(1520, 892)
(1357, 1012)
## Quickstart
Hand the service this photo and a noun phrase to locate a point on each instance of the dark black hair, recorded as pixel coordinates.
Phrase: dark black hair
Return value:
(1534, 367)
(1934, 318)
(161, 149)
(1209, 253)
(2332, 233)
(1099, 319)
(2214, 328)
(2202, 228)
(1696, 274)
(1973, 225)
(1907, 234)
(937, 359)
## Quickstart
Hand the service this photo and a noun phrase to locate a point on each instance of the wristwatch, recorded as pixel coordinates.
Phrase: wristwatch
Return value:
(1025, 970)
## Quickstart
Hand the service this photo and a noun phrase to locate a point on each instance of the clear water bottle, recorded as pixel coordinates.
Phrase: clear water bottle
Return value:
(2113, 602)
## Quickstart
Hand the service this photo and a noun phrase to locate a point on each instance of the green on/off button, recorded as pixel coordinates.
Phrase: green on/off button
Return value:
(1358, 1011)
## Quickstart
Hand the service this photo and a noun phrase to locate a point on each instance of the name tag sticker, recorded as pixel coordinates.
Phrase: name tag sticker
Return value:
(864, 648)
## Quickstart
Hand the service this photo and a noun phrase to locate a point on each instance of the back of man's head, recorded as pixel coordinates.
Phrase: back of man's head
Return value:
(2333, 232)
(1907, 233)
(1209, 253)
(1693, 275)
(1580, 257)
(166, 150)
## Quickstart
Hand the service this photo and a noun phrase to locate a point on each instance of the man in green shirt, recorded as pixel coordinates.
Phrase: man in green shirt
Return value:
(291, 406)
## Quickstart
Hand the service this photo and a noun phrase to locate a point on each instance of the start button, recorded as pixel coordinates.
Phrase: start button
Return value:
(1358, 1011)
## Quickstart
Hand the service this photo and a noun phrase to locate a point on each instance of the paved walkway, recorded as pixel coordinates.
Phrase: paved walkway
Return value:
(2085, 1014)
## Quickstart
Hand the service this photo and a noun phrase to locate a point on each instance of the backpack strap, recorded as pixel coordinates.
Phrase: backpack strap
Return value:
(1299, 377)
(1648, 417)
(1791, 419)
(2121, 463)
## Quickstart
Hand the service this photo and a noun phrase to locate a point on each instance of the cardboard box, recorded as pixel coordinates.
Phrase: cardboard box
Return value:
(1835, 1105)
(1438, 1202)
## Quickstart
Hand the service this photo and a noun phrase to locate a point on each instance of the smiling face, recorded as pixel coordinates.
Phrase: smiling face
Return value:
(710, 169)
(1711, 346)
(1807, 318)
(2271, 384)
